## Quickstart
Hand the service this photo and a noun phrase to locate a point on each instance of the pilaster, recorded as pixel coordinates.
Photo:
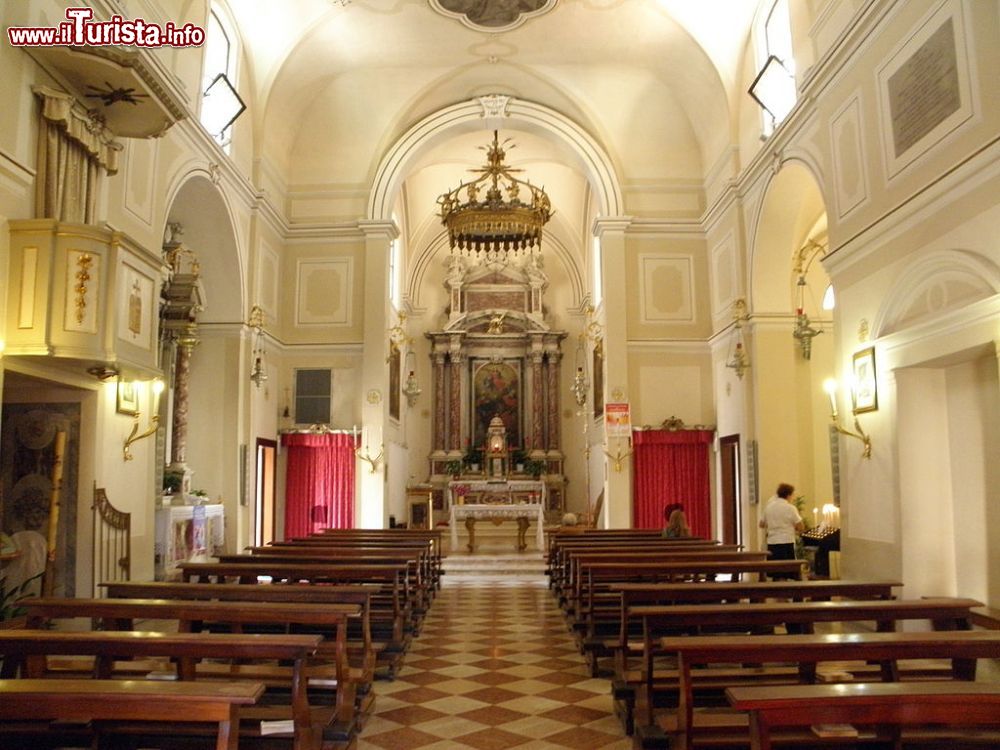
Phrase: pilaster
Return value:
(611, 233)
(371, 501)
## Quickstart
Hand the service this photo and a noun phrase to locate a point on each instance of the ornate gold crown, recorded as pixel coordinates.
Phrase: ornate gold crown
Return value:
(492, 227)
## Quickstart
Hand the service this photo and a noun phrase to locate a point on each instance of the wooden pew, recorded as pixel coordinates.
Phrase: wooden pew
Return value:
(586, 581)
(28, 650)
(129, 700)
(360, 646)
(557, 563)
(565, 562)
(415, 560)
(393, 577)
(956, 706)
(698, 659)
(559, 544)
(658, 621)
(192, 616)
(364, 549)
(607, 573)
(390, 536)
(628, 639)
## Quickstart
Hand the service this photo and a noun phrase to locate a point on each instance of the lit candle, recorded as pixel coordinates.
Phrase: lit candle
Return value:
(830, 386)
(815, 516)
(157, 388)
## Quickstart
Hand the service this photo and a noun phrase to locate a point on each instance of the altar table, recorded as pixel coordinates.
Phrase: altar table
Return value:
(521, 513)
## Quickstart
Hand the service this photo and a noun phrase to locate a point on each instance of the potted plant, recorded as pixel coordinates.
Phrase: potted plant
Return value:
(519, 458)
(473, 458)
(535, 467)
(12, 615)
(172, 482)
(453, 467)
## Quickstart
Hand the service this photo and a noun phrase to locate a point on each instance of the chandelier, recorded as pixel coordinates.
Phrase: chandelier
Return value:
(487, 217)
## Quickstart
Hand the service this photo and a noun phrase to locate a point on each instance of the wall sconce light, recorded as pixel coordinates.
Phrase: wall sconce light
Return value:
(258, 373)
(367, 454)
(154, 421)
(830, 386)
(594, 329)
(618, 459)
(738, 359)
(581, 383)
(411, 389)
(397, 334)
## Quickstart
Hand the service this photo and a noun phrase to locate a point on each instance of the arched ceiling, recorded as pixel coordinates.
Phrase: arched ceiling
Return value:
(654, 80)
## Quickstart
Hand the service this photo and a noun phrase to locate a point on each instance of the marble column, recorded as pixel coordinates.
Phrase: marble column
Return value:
(553, 361)
(455, 402)
(182, 382)
(537, 402)
(439, 402)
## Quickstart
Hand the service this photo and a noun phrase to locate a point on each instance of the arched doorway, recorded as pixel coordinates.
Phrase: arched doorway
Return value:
(214, 392)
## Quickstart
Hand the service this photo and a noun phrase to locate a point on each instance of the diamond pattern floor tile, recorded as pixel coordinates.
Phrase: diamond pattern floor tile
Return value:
(493, 668)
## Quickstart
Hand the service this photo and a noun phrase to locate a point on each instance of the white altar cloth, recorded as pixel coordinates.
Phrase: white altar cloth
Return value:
(505, 487)
(527, 510)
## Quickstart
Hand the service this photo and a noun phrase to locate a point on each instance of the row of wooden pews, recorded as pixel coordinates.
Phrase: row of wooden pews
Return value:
(704, 652)
(276, 648)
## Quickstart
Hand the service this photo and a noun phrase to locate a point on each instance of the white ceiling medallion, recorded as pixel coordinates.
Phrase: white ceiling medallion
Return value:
(492, 16)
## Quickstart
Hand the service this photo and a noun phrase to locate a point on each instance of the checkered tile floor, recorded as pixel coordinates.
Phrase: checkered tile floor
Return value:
(494, 667)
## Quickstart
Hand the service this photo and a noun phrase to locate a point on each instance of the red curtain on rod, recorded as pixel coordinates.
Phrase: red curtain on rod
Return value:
(319, 487)
(672, 467)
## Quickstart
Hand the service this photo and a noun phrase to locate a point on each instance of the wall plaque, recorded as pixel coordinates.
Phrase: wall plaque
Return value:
(924, 87)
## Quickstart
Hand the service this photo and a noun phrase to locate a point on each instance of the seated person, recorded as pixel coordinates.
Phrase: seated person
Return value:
(677, 525)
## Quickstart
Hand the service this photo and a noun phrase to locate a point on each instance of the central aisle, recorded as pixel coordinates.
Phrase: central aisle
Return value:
(494, 667)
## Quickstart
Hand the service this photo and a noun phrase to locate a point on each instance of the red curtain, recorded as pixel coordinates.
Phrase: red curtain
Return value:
(319, 488)
(672, 467)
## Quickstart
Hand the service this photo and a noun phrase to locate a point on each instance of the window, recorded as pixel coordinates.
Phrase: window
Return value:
(312, 396)
(829, 299)
(774, 86)
(221, 104)
(395, 280)
(595, 260)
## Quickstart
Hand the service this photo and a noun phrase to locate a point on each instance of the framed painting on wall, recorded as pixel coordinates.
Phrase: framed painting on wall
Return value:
(394, 365)
(496, 392)
(864, 391)
(597, 368)
(127, 401)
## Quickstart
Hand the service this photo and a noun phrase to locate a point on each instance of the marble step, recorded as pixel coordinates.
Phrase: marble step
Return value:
(484, 563)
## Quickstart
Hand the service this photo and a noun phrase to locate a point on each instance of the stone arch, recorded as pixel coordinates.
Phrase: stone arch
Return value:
(789, 420)
(210, 230)
(791, 202)
(468, 116)
(422, 264)
(941, 281)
